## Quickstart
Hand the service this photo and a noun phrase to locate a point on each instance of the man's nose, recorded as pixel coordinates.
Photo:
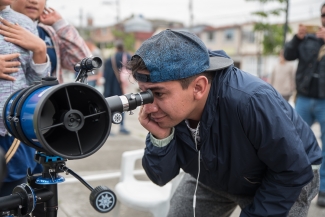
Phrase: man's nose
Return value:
(151, 107)
(33, 1)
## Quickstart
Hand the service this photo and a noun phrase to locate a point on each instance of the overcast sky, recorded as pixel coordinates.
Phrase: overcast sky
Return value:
(212, 12)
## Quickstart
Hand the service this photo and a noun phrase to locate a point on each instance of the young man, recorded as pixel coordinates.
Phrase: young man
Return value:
(309, 49)
(229, 130)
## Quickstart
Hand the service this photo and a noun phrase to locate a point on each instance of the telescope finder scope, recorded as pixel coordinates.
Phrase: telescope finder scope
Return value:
(88, 64)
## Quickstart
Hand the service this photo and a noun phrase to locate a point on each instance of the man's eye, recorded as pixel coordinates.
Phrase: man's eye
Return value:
(158, 94)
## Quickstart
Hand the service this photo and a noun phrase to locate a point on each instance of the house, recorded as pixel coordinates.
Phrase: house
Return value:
(242, 44)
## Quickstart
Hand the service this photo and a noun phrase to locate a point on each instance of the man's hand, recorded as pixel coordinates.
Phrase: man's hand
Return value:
(146, 121)
(302, 31)
(50, 16)
(22, 37)
(7, 66)
(321, 33)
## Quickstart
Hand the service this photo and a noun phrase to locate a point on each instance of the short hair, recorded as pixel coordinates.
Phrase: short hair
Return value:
(119, 45)
(322, 7)
(136, 63)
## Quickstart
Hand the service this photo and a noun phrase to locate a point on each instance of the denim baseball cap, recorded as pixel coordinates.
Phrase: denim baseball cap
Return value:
(173, 55)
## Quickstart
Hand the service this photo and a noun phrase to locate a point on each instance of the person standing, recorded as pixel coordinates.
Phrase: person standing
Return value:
(116, 77)
(238, 141)
(310, 83)
(65, 46)
(283, 77)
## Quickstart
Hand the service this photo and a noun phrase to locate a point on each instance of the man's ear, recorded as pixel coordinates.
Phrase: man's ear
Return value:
(201, 87)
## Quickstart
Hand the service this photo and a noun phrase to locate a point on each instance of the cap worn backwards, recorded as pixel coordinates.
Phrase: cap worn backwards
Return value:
(173, 55)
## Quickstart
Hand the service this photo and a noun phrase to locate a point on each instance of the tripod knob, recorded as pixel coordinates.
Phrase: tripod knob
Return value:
(102, 199)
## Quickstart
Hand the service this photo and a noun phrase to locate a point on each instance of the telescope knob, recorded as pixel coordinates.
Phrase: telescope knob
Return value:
(117, 118)
(102, 199)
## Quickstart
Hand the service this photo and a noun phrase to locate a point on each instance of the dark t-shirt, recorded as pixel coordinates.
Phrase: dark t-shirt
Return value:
(49, 46)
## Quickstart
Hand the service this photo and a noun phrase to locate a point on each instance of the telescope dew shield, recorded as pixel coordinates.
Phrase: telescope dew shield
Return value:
(70, 120)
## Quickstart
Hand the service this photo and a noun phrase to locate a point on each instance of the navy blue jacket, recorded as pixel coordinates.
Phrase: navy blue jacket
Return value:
(252, 143)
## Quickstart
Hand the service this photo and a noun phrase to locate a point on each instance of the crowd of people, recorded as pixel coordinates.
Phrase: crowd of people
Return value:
(235, 136)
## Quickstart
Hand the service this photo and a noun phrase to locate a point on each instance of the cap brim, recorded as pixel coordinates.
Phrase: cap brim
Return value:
(217, 63)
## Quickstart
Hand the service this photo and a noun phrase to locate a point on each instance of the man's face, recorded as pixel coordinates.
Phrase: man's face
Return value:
(31, 8)
(323, 16)
(173, 103)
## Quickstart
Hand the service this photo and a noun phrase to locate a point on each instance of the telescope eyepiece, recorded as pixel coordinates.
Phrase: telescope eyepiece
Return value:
(129, 101)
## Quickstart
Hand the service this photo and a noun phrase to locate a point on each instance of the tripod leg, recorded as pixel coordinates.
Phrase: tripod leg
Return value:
(51, 206)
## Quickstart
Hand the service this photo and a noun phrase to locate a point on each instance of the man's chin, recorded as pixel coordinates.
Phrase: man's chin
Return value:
(167, 125)
(164, 125)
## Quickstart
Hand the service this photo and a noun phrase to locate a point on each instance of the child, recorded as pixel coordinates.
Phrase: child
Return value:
(65, 47)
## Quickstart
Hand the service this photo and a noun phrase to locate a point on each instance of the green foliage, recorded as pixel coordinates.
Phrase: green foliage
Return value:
(272, 41)
(127, 38)
(273, 38)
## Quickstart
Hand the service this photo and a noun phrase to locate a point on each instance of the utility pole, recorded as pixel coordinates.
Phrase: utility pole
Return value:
(80, 22)
(117, 11)
(117, 5)
(190, 8)
(285, 27)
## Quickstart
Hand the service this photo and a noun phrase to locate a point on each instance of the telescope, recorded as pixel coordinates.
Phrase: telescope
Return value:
(62, 122)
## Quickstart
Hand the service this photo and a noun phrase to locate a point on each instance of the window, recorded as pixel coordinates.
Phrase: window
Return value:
(229, 35)
(103, 31)
(249, 36)
(211, 36)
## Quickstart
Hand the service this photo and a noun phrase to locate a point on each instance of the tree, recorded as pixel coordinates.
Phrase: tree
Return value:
(273, 34)
(127, 38)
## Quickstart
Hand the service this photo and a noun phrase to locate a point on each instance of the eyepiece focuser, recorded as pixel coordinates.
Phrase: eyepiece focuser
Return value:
(127, 102)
